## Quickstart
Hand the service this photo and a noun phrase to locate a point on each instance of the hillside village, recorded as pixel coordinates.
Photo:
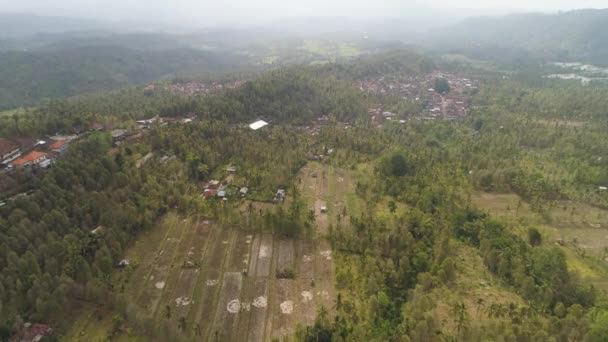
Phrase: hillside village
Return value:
(420, 88)
(194, 88)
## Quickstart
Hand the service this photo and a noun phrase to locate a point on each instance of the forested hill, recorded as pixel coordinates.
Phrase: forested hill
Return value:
(296, 94)
(26, 77)
(570, 36)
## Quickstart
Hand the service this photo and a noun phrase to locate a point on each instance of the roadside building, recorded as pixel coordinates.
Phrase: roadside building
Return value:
(118, 135)
(34, 158)
(26, 143)
(33, 332)
(9, 151)
(258, 124)
(59, 147)
(280, 195)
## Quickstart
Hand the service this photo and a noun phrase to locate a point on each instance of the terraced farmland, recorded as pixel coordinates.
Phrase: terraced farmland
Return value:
(224, 283)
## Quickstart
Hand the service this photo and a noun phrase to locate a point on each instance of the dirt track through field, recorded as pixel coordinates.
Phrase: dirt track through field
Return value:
(182, 296)
(229, 307)
(157, 277)
(210, 280)
(324, 273)
(179, 257)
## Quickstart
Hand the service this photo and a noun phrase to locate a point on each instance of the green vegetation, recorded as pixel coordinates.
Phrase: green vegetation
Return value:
(408, 254)
(518, 38)
(441, 86)
(30, 76)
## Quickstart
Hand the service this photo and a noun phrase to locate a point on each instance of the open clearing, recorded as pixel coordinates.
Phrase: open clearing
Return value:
(232, 284)
(581, 229)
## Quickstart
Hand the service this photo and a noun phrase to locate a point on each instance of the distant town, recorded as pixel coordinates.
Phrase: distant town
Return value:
(453, 104)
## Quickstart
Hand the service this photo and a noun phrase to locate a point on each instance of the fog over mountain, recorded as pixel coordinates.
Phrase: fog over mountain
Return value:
(196, 14)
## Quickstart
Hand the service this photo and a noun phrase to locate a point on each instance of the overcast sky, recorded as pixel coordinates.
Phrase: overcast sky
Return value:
(233, 11)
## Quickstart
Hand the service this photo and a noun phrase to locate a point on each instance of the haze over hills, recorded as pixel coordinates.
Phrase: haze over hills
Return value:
(327, 170)
(570, 36)
(94, 55)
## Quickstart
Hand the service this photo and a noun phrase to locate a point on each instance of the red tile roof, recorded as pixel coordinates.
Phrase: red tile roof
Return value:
(30, 157)
(57, 144)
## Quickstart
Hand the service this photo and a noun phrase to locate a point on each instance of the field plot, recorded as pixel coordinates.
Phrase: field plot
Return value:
(229, 307)
(328, 189)
(285, 259)
(210, 281)
(171, 283)
(264, 259)
(220, 283)
(282, 322)
(239, 258)
(182, 294)
(156, 278)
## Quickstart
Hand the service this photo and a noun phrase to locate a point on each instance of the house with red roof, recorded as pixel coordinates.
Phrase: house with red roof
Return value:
(59, 146)
(32, 333)
(34, 158)
(8, 151)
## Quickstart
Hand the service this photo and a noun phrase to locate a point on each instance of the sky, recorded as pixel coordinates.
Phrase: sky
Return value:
(201, 12)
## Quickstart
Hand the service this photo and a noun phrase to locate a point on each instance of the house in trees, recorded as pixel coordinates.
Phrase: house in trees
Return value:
(26, 143)
(9, 151)
(97, 231)
(280, 195)
(243, 191)
(59, 146)
(118, 135)
(96, 126)
(231, 169)
(210, 193)
(32, 159)
(32, 333)
(258, 124)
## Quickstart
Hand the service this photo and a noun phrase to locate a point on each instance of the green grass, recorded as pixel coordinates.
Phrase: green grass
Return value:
(270, 59)
(93, 325)
(347, 50)
(568, 221)
(11, 112)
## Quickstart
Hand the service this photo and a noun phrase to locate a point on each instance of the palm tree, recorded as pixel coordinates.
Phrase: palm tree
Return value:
(182, 324)
(197, 330)
(168, 312)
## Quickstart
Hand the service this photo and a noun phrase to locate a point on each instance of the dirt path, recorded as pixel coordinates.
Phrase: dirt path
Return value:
(175, 270)
(228, 308)
(211, 281)
(153, 288)
(182, 296)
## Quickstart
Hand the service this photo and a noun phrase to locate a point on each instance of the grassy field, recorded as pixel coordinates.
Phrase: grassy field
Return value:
(581, 229)
(11, 112)
(330, 51)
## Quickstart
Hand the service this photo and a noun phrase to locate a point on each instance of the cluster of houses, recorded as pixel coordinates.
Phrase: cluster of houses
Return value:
(147, 123)
(197, 88)
(32, 332)
(420, 88)
(31, 152)
(221, 190)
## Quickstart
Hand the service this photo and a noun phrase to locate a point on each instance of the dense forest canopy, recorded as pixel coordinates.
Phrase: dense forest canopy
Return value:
(27, 77)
